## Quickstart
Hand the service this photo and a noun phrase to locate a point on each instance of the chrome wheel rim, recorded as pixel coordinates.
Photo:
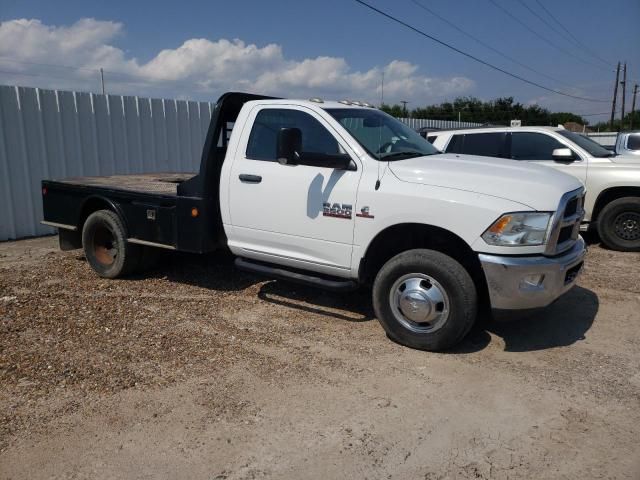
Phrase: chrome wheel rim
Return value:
(419, 302)
(627, 226)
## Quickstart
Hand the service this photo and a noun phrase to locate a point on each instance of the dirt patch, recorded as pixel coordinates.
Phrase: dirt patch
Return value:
(197, 370)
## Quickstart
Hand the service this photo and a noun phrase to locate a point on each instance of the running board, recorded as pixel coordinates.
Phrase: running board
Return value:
(281, 273)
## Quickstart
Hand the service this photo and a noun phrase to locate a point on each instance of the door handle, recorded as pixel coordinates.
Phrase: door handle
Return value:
(246, 178)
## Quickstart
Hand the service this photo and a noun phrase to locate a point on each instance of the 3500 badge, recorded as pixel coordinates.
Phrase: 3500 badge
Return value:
(337, 210)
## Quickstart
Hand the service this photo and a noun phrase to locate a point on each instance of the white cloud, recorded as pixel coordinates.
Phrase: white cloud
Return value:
(199, 68)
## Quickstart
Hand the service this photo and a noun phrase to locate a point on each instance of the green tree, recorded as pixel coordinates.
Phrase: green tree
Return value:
(630, 121)
(394, 110)
(498, 111)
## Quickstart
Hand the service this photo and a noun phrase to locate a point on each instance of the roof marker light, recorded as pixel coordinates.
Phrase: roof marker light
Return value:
(345, 102)
(316, 100)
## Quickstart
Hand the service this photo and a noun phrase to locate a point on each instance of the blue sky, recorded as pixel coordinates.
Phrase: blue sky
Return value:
(330, 48)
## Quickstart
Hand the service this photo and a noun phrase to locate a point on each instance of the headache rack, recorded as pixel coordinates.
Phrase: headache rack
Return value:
(565, 224)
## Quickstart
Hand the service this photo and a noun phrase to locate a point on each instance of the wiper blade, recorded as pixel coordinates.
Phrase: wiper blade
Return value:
(395, 155)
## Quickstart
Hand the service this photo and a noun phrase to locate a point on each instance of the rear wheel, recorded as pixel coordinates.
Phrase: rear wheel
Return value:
(619, 224)
(105, 245)
(425, 299)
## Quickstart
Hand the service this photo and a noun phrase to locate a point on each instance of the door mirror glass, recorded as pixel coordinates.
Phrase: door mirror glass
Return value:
(563, 155)
(289, 146)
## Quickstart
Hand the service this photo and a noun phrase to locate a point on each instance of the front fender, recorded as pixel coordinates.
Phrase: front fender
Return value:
(465, 214)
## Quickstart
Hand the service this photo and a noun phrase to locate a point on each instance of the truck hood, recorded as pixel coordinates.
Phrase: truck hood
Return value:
(535, 186)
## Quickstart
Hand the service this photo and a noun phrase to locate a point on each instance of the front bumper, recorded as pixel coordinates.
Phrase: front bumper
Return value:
(517, 283)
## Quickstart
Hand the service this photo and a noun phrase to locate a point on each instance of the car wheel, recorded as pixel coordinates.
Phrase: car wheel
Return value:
(105, 245)
(619, 224)
(425, 300)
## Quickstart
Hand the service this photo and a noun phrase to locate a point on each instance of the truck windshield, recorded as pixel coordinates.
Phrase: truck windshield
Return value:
(381, 135)
(594, 149)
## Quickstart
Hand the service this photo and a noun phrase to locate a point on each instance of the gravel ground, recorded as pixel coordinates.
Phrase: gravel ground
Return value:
(195, 370)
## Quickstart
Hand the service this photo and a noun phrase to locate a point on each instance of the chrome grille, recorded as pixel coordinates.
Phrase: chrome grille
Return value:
(565, 224)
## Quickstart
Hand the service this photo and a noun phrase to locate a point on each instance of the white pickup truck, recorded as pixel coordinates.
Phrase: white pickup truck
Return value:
(612, 180)
(628, 143)
(340, 195)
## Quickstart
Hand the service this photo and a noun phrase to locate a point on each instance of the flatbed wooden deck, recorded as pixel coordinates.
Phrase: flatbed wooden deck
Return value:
(154, 183)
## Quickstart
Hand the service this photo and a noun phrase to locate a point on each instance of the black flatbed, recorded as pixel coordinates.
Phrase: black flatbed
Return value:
(152, 183)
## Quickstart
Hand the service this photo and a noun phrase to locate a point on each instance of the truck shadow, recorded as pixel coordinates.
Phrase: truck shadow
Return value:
(217, 272)
(352, 307)
(591, 237)
(561, 324)
(214, 271)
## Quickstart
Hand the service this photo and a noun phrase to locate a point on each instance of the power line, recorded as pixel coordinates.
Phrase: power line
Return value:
(468, 55)
(485, 111)
(545, 39)
(486, 45)
(555, 29)
(578, 42)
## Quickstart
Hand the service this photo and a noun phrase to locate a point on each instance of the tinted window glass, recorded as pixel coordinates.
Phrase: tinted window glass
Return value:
(431, 139)
(633, 142)
(589, 145)
(485, 144)
(264, 134)
(533, 146)
(455, 144)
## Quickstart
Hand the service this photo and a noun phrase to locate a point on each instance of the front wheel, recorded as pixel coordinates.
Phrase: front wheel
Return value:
(619, 224)
(425, 300)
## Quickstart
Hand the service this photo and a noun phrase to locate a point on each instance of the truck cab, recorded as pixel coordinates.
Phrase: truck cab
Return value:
(340, 195)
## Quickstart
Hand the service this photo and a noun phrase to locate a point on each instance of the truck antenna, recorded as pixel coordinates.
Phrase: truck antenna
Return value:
(380, 132)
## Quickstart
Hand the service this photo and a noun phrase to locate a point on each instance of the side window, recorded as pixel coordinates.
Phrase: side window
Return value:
(431, 138)
(485, 144)
(533, 146)
(268, 122)
(455, 144)
(633, 142)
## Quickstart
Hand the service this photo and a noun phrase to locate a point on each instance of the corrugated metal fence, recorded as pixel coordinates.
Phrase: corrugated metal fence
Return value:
(56, 134)
(417, 123)
(606, 139)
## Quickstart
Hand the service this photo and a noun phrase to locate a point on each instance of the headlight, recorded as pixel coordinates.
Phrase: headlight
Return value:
(517, 229)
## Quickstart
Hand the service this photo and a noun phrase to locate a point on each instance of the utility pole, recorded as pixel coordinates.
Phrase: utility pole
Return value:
(102, 79)
(624, 90)
(404, 107)
(633, 106)
(615, 95)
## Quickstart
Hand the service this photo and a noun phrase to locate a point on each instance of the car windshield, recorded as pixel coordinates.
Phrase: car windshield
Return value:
(594, 149)
(381, 135)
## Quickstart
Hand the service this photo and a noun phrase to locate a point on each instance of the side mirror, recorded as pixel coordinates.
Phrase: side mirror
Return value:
(289, 146)
(563, 155)
(289, 152)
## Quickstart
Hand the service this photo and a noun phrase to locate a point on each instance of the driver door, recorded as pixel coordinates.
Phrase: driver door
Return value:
(296, 215)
